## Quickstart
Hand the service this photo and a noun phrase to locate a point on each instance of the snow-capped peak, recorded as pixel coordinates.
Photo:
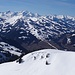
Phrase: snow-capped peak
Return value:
(42, 27)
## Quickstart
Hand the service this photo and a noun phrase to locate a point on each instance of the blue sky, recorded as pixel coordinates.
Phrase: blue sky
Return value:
(44, 7)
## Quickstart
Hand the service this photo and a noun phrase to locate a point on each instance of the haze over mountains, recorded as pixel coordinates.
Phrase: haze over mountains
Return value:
(28, 32)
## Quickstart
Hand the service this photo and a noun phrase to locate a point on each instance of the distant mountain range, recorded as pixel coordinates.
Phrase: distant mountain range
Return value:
(28, 32)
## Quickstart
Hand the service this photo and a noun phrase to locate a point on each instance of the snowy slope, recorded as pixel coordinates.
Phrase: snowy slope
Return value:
(44, 62)
(6, 47)
(8, 52)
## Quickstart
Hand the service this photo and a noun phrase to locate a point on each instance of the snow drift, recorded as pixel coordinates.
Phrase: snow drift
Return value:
(44, 62)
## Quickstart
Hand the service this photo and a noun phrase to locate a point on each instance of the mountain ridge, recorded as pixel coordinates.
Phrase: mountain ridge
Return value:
(29, 32)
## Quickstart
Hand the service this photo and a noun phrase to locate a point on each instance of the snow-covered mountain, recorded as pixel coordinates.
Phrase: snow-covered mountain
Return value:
(29, 32)
(44, 62)
(40, 26)
(27, 29)
(8, 52)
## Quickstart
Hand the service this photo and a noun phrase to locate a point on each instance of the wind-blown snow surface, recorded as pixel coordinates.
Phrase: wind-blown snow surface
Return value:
(44, 62)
